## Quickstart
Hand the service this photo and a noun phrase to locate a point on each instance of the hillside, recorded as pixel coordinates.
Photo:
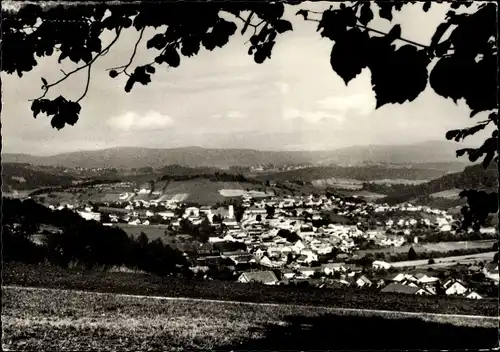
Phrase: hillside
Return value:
(473, 177)
(125, 322)
(136, 157)
(359, 173)
(25, 177)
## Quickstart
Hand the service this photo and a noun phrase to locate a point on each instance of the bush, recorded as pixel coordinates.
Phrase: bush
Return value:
(412, 255)
(431, 261)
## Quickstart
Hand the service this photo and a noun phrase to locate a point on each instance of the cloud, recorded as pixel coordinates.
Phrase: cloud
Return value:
(362, 103)
(232, 114)
(283, 87)
(151, 120)
(311, 116)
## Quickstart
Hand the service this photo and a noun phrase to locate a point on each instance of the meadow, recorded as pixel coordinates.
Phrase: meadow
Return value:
(432, 247)
(43, 319)
(46, 276)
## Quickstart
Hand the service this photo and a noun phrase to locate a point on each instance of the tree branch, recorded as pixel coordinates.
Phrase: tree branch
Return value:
(131, 58)
(87, 85)
(373, 30)
(67, 75)
(399, 38)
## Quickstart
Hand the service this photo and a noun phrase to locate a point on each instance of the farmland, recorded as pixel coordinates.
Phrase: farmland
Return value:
(341, 183)
(39, 319)
(152, 231)
(433, 247)
(448, 194)
(447, 261)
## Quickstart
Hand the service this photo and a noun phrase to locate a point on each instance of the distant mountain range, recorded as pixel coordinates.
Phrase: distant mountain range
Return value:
(439, 154)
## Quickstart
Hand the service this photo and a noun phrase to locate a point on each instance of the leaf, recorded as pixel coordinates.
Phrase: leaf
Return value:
(350, 54)
(171, 57)
(461, 152)
(58, 121)
(366, 14)
(398, 76)
(190, 46)
(474, 155)
(303, 13)
(282, 26)
(451, 76)
(487, 159)
(474, 129)
(44, 81)
(150, 69)
(158, 42)
(452, 134)
(426, 6)
(385, 11)
(474, 113)
(394, 33)
(438, 34)
(130, 83)
(332, 24)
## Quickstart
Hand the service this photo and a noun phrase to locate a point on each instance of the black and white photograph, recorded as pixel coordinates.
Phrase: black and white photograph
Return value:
(249, 175)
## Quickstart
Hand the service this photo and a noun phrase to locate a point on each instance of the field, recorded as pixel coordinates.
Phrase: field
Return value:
(341, 183)
(152, 231)
(448, 194)
(203, 191)
(142, 284)
(370, 196)
(447, 261)
(40, 319)
(399, 182)
(432, 247)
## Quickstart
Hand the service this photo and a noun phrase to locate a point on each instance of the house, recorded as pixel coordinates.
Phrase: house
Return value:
(288, 274)
(264, 277)
(404, 289)
(353, 268)
(306, 272)
(265, 261)
(363, 281)
(167, 214)
(330, 268)
(399, 277)
(454, 287)
(378, 264)
(192, 211)
(490, 270)
(473, 295)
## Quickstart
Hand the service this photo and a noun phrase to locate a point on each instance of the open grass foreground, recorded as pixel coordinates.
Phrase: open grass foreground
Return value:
(47, 319)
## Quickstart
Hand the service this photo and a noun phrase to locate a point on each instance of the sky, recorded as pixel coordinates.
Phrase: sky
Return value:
(223, 99)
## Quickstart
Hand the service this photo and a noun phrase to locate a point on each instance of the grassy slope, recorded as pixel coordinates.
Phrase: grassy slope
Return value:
(53, 277)
(473, 177)
(62, 320)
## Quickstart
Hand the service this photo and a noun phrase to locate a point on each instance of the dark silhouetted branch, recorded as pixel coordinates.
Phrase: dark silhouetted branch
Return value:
(67, 75)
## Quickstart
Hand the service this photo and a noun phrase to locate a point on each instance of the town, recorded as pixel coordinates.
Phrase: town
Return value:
(324, 241)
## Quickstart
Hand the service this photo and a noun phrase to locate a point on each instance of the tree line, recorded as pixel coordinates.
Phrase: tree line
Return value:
(80, 242)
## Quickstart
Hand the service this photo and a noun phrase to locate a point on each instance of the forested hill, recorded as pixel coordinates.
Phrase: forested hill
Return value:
(473, 177)
(361, 173)
(26, 176)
